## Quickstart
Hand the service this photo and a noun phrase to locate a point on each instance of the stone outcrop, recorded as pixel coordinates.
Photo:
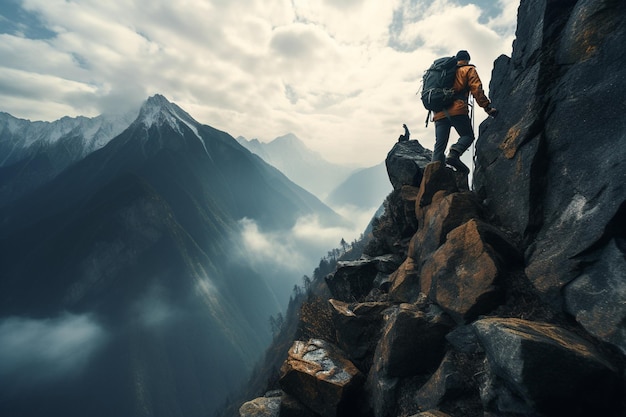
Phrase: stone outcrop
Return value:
(554, 371)
(319, 376)
(405, 163)
(267, 406)
(507, 300)
(551, 166)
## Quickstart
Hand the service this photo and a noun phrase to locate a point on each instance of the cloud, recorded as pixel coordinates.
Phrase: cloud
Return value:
(340, 75)
(154, 309)
(34, 351)
(298, 250)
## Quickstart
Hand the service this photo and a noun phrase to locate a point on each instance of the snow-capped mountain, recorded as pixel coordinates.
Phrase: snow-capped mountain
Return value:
(20, 138)
(132, 262)
(32, 153)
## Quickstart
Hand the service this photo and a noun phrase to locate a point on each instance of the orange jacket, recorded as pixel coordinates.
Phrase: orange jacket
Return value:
(467, 80)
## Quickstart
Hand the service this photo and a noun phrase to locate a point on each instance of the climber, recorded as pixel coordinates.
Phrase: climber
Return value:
(457, 115)
(406, 135)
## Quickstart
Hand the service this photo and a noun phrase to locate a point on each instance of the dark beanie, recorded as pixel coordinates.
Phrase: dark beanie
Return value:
(463, 56)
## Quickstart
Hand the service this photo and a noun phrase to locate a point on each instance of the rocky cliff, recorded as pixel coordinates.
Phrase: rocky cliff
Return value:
(507, 300)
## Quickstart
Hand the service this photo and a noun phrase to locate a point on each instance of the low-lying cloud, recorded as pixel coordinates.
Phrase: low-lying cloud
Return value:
(154, 309)
(300, 249)
(34, 351)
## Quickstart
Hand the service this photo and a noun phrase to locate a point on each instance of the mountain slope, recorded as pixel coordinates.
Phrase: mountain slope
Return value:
(141, 242)
(365, 188)
(302, 165)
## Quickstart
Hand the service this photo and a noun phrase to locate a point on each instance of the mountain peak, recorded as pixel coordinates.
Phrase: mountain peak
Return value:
(158, 110)
(289, 138)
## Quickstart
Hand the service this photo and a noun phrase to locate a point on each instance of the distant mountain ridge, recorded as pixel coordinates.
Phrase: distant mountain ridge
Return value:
(32, 153)
(301, 164)
(366, 187)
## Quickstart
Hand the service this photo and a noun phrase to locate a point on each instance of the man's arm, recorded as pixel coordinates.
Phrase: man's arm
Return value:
(476, 88)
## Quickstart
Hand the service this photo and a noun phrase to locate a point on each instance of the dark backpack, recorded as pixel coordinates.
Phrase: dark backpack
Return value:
(437, 84)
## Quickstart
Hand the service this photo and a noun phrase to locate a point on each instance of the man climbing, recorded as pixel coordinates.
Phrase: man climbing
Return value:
(457, 115)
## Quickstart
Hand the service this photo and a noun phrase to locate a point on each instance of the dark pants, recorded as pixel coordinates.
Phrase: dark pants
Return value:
(463, 127)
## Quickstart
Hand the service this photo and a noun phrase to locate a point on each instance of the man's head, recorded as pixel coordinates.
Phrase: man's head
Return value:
(463, 55)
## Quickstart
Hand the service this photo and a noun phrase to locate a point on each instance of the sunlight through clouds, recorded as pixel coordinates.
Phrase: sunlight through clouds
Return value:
(352, 68)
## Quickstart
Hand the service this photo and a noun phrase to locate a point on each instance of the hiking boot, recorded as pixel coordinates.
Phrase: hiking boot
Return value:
(456, 163)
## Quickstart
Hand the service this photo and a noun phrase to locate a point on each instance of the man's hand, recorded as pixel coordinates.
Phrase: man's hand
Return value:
(491, 111)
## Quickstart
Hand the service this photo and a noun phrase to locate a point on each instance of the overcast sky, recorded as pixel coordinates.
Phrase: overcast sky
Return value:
(340, 74)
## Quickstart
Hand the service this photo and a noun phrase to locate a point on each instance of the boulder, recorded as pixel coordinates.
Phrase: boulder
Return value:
(381, 391)
(463, 339)
(319, 375)
(462, 275)
(405, 163)
(597, 298)
(552, 369)
(358, 327)
(438, 219)
(413, 339)
(352, 280)
(446, 384)
(261, 407)
(405, 286)
(437, 179)
(550, 167)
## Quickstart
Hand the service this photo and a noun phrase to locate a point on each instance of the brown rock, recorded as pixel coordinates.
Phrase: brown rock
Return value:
(320, 376)
(438, 219)
(405, 286)
(436, 178)
(261, 407)
(461, 276)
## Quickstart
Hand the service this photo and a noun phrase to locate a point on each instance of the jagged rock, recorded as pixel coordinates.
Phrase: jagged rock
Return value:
(498, 399)
(358, 327)
(352, 280)
(405, 286)
(413, 339)
(436, 179)
(438, 219)
(381, 390)
(553, 370)
(291, 407)
(387, 263)
(320, 376)
(549, 166)
(464, 339)
(261, 407)
(597, 298)
(446, 384)
(462, 275)
(405, 163)
(412, 342)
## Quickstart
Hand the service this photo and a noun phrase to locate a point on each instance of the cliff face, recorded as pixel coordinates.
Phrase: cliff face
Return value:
(508, 300)
(552, 168)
